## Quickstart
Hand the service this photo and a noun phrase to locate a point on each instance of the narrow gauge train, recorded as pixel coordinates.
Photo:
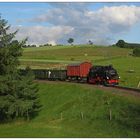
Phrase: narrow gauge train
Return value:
(81, 72)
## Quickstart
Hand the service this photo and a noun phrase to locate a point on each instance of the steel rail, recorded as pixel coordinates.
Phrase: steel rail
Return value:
(126, 88)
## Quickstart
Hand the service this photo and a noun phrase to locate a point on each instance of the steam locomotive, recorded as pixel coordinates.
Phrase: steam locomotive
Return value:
(81, 72)
(105, 75)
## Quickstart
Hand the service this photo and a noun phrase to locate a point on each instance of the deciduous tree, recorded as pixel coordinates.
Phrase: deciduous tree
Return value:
(70, 40)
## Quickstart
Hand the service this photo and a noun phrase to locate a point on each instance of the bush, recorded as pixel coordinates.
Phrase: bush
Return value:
(136, 52)
(72, 59)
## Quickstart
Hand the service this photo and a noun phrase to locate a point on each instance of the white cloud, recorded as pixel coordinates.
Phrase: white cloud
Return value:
(117, 17)
(77, 21)
(41, 34)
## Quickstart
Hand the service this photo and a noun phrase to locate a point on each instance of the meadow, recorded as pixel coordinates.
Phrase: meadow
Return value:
(74, 53)
(58, 57)
(78, 110)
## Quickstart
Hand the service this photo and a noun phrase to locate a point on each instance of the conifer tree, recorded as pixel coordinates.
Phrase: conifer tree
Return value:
(18, 93)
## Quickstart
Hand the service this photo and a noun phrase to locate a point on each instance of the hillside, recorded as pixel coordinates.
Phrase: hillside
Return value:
(75, 53)
(59, 56)
(77, 110)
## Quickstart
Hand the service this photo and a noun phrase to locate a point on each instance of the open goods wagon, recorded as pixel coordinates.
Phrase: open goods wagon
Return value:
(50, 74)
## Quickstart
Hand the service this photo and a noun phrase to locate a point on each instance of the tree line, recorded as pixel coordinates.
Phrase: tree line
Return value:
(123, 44)
(69, 41)
(134, 46)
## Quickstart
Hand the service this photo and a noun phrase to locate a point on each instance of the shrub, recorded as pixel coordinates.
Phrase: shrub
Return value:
(136, 52)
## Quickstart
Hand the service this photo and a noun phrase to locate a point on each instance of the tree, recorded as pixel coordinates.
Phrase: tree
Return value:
(70, 40)
(123, 44)
(136, 52)
(18, 94)
(90, 42)
(120, 43)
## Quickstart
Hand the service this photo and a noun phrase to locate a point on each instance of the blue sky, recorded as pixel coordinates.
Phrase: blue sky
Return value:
(14, 11)
(103, 23)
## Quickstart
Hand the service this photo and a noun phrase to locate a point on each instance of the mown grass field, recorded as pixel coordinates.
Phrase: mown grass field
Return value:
(58, 57)
(78, 110)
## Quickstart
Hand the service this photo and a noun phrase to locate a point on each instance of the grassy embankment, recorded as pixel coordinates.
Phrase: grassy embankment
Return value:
(59, 57)
(71, 110)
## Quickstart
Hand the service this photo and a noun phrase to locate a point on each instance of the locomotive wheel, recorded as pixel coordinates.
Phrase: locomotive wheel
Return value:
(105, 83)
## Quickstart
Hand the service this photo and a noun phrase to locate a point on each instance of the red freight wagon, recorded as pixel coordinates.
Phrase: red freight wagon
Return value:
(78, 71)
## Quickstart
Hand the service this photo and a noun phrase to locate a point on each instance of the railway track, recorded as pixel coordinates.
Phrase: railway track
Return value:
(123, 88)
(127, 88)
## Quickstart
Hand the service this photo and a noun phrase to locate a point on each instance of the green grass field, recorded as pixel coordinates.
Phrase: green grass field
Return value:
(75, 53)
(78, 110)
(59, 56)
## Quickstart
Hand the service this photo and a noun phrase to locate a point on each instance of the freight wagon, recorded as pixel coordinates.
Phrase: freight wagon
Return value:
(79, 71)
(50, 74)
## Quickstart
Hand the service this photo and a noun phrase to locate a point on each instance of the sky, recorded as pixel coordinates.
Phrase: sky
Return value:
(103, 23)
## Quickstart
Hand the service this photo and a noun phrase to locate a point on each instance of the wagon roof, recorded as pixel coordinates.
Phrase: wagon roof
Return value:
(77, 64)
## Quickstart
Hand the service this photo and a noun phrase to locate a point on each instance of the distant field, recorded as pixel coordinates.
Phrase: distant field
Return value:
(74, 53)
(45, 48)
(60, 56)
(73, 110)
(37, 57)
